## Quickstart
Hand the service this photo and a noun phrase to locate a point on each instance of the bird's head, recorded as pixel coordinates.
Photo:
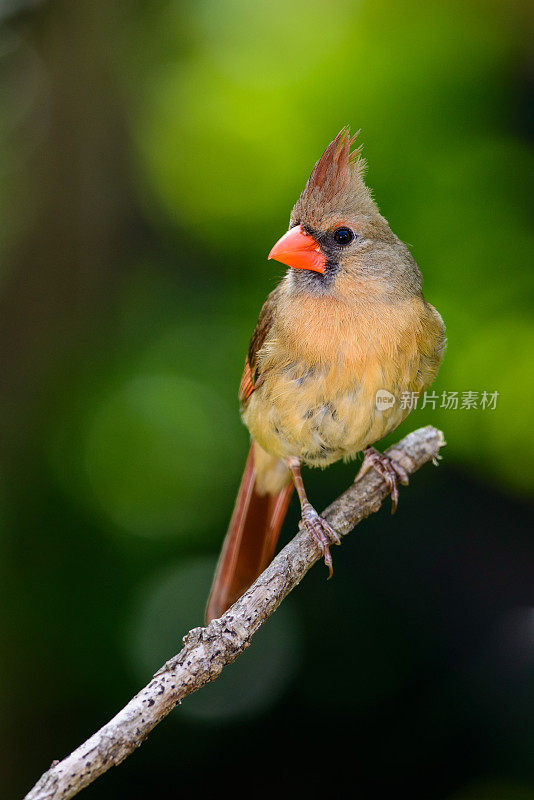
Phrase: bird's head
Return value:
(336, 232)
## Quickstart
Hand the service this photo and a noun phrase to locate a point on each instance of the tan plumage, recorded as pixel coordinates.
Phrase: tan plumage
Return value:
(327, 341)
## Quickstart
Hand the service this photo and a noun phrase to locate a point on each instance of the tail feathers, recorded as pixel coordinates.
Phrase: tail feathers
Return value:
(251, 539)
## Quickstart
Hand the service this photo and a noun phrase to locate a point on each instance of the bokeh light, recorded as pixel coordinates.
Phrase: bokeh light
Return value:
(148, 451)
(173, 603)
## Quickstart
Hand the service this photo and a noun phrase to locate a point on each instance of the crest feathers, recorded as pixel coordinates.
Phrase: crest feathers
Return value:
(336, 180)
(333, 170)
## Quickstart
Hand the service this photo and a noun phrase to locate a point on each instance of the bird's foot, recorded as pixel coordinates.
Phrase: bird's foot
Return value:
(321, 531)
(389, 469)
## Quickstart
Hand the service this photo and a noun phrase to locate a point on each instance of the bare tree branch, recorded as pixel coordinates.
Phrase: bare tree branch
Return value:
(207, 650)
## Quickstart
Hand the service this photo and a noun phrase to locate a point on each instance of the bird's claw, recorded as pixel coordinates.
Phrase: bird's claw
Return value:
(388, 469)
(322, 532)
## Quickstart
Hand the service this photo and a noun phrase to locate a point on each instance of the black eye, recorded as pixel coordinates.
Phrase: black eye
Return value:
(343, 236)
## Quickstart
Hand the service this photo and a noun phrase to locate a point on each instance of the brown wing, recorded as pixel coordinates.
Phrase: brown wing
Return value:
(246, 387)
(251, 374)
(257, 519)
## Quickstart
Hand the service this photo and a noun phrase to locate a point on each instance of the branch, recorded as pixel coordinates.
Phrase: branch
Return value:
(207, 650)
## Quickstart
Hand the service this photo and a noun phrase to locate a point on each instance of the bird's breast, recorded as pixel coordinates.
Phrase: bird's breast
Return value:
(321, 397)
(314, 413)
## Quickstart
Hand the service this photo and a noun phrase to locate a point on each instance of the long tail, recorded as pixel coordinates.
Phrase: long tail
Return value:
(259, 512)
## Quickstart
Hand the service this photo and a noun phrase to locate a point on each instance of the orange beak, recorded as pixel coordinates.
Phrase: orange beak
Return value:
(299, 250)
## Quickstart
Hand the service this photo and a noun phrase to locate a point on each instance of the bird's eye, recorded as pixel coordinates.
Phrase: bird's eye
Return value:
(343, 236)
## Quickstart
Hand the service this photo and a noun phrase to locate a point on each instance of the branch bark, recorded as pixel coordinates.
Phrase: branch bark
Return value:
(208, 650)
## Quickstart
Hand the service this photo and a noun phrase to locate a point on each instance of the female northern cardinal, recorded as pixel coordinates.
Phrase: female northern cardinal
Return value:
(347, 321)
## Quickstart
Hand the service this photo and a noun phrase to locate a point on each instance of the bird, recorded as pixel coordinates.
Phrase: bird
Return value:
(346, 325)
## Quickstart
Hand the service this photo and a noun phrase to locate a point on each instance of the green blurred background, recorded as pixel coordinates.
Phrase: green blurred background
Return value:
(149, 157)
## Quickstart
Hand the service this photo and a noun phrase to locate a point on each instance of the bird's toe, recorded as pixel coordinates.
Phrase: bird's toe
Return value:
(322, 532)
